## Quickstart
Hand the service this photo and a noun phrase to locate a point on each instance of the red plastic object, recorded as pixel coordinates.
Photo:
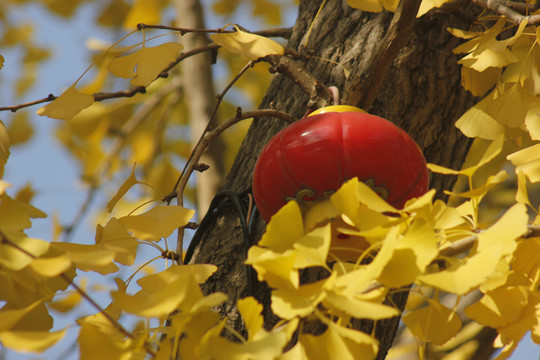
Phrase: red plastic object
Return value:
(312, 158)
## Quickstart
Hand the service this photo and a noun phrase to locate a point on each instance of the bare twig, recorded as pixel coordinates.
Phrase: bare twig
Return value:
(515, 11)
(207, 138)
(362, 90)
(318, 94)
(277, 32)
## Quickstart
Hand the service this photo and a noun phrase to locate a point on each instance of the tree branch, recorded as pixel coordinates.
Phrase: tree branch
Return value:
(318, 94)
(513, 10)
(276, 32)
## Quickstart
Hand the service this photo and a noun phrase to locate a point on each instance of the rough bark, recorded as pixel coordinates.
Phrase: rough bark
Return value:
(421, 93)
(200, 100)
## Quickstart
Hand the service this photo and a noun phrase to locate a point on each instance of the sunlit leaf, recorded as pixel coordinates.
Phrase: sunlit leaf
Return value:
(66, 303)
(434, 323)
(288, 303)
(527, 161)
(411, 255)
(115, 237)
(313, 248)
(499, 307)
(476, 122)
(162, 293)
(494, 149)
(144, 65)
(532, 122)
(22, 252)
(339, 342)
(124, 188)
(526, 258)
(51, 266)
(427, 5)
(277, 269)
(89, 257)
(67, 105)
(30, 341)
(493, 244)
(250, 45)
(10, 317)
(479, 82)
(158, 222)
(374, 5)
(285, 227)
(250, 309)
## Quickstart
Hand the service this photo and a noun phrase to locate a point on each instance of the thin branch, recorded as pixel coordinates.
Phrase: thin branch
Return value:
(207, 138)
(514, 11)
(362, 90)
(318, 94)
(119, 94)
(202, 144)
(277, 32)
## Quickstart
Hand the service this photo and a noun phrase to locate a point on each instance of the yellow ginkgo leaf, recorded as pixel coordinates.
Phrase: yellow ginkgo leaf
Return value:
(413, 252)
(313, 248)
(115, 237)
(284, 228)
(67, 105)
(360, 309)
(499, 307)
(250, 45)
(366, 5)
(527, 161)
(22, 252)
(66, 303)
(494, 149)
(277, 269)
(339, 342)
(494, 243)
(427, 5)
(30, 341)
(289, 303)
(1, 61)
(10, 317)
(158, 222)
(144, 65)
(89, 257)
(522, 195)
(250, 309)
(124, 188)
(51, 266)
(162, 294)
(476, 122)
(532, 122)
(434, 323)
(479, 82)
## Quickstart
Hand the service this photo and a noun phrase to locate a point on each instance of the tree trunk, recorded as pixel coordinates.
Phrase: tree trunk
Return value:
(200, 98)
(421, 93)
